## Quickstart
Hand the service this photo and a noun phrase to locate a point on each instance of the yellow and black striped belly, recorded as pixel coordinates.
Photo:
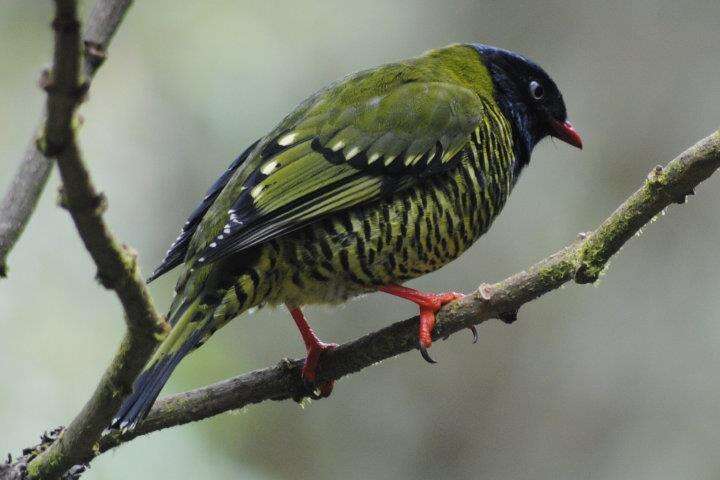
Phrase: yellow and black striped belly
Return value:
(412, 233)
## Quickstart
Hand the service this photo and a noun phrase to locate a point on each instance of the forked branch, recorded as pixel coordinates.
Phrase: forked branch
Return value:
(116, 264)
(61, 452)
(582, 261)
(29, 181)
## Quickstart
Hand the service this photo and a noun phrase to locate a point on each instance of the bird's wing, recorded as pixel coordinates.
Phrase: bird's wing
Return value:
(176, 253)
(343, 147)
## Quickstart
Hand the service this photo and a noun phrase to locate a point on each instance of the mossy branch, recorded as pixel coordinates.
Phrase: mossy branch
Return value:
(60, 453)
(29, 181)
(116, 264)
(581, 261)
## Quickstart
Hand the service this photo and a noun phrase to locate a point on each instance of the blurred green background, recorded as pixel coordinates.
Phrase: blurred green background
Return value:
(619, 380)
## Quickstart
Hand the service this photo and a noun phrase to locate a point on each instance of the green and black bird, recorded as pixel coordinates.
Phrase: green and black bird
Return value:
(377, 179)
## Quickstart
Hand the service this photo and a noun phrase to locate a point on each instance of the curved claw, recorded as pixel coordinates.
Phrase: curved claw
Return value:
(311, 390)
(317, 392)
(474, 333)
(426, 356)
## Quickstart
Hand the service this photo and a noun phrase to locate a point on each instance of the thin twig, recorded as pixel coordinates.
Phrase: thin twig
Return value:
(29, 181)
(582, 261)
(116, 263)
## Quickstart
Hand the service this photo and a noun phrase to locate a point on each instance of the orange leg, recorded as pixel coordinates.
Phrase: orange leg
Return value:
(430, 304)
(314, 348)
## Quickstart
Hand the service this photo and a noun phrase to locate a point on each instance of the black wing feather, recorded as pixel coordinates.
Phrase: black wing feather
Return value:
(176, 253)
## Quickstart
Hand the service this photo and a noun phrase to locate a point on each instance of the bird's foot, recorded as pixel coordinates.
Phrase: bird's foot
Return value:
(430, 304)
(315, 349)
(310, 368)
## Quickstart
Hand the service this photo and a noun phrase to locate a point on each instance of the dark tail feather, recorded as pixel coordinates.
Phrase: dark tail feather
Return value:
(148, 385)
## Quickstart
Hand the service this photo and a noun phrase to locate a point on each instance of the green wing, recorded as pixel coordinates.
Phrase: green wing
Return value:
(360, 140)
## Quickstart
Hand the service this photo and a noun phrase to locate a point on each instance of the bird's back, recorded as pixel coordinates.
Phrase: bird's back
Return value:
(416, 217)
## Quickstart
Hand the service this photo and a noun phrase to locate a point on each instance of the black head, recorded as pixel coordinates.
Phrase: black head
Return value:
(529, 96)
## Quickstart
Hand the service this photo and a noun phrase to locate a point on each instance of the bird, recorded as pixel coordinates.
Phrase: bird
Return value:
(376, 179)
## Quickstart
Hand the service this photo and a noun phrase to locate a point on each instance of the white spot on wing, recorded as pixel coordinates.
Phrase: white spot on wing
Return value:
(338, 146)
(286, 140)
(389, 159)
(255, 192)
(373, 158)
(352, 152)
(268, 168)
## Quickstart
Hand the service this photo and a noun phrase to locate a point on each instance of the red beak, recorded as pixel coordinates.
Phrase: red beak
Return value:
(566, 132)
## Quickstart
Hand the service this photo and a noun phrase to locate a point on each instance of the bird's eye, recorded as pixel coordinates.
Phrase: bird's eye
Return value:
(536, 90)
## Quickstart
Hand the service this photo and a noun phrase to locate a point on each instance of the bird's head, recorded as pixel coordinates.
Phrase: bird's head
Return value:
(529, 96)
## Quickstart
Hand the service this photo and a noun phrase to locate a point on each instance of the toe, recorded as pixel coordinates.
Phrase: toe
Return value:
(311, 367)
(326, 388)
(426, 356)
(448, 297)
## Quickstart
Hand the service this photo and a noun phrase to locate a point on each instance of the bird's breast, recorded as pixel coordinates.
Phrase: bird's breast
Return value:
(394, 240)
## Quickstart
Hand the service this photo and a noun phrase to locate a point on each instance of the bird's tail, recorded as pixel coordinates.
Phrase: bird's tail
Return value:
(190, 330)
